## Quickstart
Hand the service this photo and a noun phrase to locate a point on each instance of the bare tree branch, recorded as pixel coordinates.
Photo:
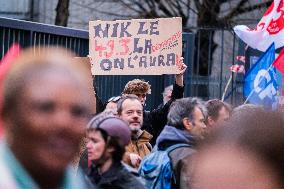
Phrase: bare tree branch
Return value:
(239, 9)
(165, 10)
(172, 8)
(197, 5)
(138, 4)
(102, 12)
(130, 7)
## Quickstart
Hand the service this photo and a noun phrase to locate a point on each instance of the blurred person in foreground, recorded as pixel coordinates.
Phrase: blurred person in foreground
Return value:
(107, 138)
(246, 154)
(244, 110)
(46, 106)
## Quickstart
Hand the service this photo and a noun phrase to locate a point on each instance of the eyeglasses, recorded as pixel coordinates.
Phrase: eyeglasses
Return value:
(114, 99)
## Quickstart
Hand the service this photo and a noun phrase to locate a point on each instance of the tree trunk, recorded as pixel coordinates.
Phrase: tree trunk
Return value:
(62, 13)
(207, 17)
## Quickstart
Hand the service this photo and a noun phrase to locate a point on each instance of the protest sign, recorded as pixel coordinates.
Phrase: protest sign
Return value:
(136, 47)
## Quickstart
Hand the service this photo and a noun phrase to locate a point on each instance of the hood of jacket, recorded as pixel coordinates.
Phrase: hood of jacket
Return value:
(171, 135)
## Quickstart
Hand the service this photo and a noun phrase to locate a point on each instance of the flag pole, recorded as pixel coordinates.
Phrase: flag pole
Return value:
(227, 86)
(254, 88)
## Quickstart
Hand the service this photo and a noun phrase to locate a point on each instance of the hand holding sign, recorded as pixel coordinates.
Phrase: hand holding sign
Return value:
(182, 68)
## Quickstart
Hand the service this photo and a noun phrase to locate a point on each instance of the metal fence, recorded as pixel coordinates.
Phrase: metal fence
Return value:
(208, 85)
(214, 52)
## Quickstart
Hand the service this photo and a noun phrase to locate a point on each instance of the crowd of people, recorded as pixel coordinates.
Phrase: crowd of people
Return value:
(48, 116)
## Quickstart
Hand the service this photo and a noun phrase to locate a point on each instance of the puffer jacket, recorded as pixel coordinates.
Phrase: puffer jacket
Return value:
(181, 157)
(140, 146)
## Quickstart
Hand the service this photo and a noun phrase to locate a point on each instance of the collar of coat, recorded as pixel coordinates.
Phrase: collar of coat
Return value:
(142, 136)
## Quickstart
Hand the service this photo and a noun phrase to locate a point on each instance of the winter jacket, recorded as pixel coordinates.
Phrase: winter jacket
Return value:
(155, 120)
(117, 177)
(140, 146)
(181, 157)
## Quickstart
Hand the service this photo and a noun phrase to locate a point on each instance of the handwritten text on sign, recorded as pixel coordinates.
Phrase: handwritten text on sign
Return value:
(136, 47)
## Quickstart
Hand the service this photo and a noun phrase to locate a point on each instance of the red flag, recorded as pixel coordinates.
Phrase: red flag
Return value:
(5, 65)
(279, 62)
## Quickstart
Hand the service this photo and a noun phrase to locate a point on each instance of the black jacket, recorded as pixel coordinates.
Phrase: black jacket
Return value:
(154, 121)
(117, 177)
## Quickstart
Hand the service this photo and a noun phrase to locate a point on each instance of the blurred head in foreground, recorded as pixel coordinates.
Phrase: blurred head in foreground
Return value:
(45, 110)
(246, 154)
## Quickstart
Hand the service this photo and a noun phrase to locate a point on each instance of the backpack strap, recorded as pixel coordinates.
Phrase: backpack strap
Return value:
(172, 148)
(175, 146)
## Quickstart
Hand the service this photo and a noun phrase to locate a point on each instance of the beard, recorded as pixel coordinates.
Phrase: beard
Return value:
(134, 129)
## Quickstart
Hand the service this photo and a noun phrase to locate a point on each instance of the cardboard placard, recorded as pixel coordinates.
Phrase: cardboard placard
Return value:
(84, 63)
(136, 47)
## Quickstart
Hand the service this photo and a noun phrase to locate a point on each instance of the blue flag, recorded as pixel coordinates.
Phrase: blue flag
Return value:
(260, 86)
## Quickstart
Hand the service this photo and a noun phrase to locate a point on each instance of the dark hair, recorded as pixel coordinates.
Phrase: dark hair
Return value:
(122, 99)
(259, 132)
(119, 149)
(183, 108)
(214, 106)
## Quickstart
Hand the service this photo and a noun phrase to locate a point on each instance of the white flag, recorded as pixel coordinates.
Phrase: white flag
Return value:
(269, 29)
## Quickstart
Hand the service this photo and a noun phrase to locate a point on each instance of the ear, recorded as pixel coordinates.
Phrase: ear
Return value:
(187, 123)
(210, 121)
